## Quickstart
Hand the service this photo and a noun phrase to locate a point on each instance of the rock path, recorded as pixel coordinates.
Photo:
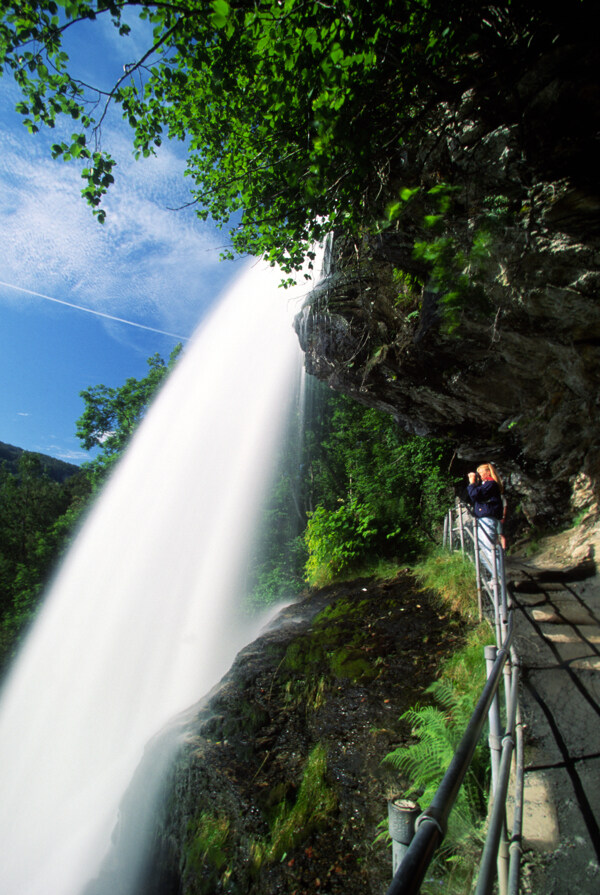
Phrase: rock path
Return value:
(557, 598)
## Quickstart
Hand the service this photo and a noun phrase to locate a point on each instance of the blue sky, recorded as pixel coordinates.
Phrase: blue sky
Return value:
(146, 264)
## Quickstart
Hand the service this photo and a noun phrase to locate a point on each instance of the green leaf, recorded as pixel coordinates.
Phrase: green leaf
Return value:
(336, 53)
(222, 11)
(407, 194)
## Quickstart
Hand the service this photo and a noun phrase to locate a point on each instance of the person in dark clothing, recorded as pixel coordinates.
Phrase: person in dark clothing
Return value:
(485, 491)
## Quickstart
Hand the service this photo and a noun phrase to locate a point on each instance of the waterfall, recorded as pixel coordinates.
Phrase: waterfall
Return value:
(141, 619)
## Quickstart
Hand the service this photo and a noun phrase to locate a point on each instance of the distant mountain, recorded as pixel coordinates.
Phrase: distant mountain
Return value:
(58, 470)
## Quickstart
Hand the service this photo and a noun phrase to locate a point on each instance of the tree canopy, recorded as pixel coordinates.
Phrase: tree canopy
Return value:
(37, 517)
(113, 413)
(294, 112)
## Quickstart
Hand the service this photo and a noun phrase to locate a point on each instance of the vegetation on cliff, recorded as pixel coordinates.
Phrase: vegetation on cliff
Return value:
(354, 490)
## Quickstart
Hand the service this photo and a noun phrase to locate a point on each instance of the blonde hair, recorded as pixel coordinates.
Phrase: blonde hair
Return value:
(488, 469)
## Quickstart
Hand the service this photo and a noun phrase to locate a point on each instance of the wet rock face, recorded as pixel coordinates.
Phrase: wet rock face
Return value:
(278, 785)
(516, 381)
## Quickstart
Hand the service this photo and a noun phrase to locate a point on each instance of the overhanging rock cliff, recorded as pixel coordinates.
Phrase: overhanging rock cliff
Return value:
(474, 313)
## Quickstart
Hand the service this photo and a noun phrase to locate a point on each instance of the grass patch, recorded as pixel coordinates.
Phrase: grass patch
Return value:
(452, 579)
(314, 803)
(310, 694)
(371, 567)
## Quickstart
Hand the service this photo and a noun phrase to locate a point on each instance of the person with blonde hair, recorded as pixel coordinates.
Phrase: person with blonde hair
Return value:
(485, 491)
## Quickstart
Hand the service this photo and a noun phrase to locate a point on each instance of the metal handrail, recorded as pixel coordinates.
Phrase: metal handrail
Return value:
(432, 824)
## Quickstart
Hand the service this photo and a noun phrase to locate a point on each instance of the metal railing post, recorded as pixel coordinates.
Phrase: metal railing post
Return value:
(495, 730)
(402, 814)
(461, 533)
(496, 847)
(496, 592)
(515, 847)
(477, 567)
(505, 606)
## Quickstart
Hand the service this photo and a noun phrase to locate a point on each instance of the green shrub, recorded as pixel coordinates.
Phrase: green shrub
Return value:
(277, 582)
(337, 540)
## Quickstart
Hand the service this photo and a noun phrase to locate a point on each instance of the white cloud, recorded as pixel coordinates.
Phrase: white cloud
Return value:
(69, 456)
(146, 263)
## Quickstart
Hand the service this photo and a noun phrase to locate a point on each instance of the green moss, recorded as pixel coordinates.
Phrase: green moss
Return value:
(249, 718)
(305, 654)
(350, 664)
(333, 647)
(315, 802)
(342, 609)
(347, 663)
(205, 857)
(293, 821)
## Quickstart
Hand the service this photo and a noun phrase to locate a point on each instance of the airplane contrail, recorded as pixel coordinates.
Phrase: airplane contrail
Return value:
(60, 301)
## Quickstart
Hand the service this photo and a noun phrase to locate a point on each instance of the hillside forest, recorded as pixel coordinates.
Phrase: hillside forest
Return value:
(351, 491)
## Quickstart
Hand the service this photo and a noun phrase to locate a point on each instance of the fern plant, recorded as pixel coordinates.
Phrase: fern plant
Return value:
(425, 762)
(436, 731)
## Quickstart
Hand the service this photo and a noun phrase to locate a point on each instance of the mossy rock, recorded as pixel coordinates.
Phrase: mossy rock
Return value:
(351, 664)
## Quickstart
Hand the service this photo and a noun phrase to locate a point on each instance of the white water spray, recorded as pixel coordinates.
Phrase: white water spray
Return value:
(140, 621)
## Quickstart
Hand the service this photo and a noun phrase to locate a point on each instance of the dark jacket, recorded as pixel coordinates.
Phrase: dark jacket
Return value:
(486, 499)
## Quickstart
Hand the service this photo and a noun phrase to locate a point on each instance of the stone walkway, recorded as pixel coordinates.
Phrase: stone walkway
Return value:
(557, 597)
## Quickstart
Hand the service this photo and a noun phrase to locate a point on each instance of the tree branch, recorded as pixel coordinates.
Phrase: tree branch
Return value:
(134, 67)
